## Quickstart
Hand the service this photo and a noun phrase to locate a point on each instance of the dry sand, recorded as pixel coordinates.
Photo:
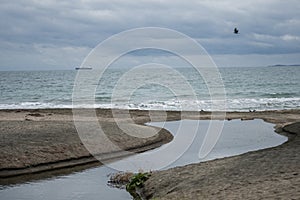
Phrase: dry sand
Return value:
(42, 140)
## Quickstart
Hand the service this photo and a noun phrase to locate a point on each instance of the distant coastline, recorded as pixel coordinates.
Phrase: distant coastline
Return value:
(280, 65)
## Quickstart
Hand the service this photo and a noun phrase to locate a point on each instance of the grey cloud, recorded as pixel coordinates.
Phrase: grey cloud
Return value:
(266, 27)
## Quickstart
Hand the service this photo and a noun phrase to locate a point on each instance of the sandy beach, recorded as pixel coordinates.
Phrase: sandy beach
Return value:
(42, 140)
(265, 174)
(46, 139)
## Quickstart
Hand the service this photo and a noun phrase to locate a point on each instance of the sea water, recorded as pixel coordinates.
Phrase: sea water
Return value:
(254, 88)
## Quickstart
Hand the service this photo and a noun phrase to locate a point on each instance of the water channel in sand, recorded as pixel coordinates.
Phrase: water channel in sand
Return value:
(237, 137)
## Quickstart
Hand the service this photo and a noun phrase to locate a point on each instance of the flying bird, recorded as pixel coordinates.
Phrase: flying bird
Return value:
(236, 31)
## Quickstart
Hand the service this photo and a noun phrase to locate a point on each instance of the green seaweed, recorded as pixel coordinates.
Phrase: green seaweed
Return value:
(136, 182)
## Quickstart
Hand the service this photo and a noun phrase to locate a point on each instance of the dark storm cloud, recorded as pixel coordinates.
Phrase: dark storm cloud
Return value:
(44, 30)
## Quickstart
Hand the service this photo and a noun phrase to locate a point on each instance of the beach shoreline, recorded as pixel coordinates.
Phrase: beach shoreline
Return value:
(41, 140)
(27, 147)
(271, 173)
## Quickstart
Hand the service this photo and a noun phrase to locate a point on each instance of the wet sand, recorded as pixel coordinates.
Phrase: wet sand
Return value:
(46, 139)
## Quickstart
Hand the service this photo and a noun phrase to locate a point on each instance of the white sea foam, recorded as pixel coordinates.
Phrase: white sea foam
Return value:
(186, 105)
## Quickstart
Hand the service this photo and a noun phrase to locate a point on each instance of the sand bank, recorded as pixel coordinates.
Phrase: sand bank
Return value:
(265, 174)
(46, 139)
(40, 140)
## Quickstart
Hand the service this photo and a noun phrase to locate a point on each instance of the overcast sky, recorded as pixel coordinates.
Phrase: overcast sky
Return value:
(48, 34)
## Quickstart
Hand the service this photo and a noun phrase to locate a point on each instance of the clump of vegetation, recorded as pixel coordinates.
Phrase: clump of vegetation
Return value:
(132, 182)
(136, 182)
(120, 179)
